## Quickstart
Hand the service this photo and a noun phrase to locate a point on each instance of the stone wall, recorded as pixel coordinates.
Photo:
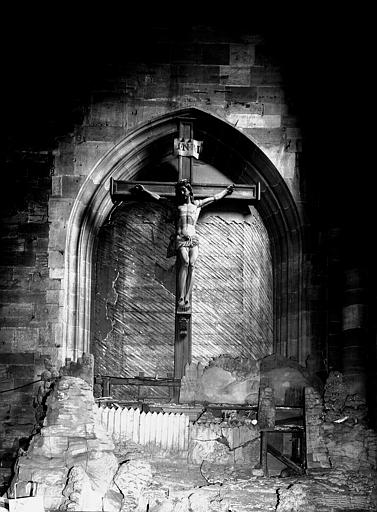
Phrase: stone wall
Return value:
(29, 297)
(337, 434)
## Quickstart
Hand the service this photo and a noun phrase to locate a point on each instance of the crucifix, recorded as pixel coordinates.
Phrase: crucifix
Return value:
(190, 197)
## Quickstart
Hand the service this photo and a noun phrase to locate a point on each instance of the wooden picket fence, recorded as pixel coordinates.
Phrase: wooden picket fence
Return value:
(158, 430)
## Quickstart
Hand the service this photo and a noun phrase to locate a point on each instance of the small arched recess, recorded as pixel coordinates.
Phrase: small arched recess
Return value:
(227, 149)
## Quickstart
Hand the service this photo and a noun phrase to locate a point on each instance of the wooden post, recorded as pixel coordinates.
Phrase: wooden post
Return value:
(106, 386)
(263, 460)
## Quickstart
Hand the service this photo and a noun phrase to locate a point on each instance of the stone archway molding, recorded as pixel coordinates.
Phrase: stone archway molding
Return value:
(93, 205)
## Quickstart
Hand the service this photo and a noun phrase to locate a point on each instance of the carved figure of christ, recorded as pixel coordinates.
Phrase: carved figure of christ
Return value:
(185, 243)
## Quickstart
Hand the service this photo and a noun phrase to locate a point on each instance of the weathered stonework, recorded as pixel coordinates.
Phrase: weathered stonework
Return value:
(25, 379)
(73, 462)
(288, 379)
(335, 436)
(224, 444)
(226, 380)
(70, 445)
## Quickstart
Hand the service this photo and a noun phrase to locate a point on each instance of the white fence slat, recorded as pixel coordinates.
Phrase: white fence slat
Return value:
(153, 431)
(159, 420)
(181, 432)
(124, 424)
(130, 424)
(130, 433)
(170, 431)
(105, 416)
(193, 431)
(136, 429)
(148, 427)
(175, 432)
(142, 428)
(186, 429)
(164, 431)
(117, 423)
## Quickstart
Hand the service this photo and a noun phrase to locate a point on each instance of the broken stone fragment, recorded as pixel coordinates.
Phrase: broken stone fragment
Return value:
(71, 437)
(112, 501)
(132, 478)
(295, 499)
(204, 499)
(225, 380)
(79, 494)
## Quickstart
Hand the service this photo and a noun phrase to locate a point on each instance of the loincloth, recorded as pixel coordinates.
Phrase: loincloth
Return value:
(179, 241)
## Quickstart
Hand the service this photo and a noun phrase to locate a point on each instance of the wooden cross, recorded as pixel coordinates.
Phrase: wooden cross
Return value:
(186, 148)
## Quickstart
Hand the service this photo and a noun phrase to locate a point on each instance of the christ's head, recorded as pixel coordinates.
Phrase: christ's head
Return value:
(183, 190)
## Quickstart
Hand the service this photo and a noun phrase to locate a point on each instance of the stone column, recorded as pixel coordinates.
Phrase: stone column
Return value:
(354, 330)
(335, 280)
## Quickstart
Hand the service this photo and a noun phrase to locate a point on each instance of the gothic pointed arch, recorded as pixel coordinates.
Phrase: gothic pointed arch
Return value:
(225, 148)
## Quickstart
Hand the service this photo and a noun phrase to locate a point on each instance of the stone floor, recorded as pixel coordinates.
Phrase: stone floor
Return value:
(237, 490)
(177, 486)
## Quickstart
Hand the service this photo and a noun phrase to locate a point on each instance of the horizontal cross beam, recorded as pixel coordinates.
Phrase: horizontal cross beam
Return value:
(122, 190)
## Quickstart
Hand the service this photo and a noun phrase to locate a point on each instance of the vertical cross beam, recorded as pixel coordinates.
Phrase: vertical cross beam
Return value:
(185, 134)
(183, 324)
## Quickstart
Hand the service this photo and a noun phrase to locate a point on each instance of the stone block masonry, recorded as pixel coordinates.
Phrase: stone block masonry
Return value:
(27, 318)
(337, 435)
(29, 298)
(20, 375)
